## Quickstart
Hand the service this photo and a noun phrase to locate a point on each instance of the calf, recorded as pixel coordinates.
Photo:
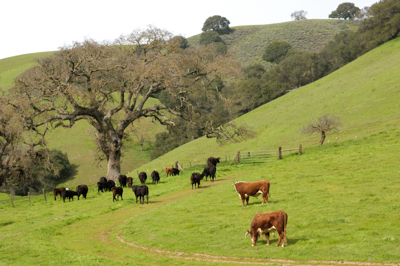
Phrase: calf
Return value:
(117, 191)
(82, 190)
(168, 171)
(175, 171)
(129, 181)
(254, 189)
(141, 191)
(209, 171)
(155, 177)
(122, 180)
(103, 179)
(142, 177)
(57, 191)
(264, 223)
(195, 179)
(213, 161)
(101, 186)
(69, 194)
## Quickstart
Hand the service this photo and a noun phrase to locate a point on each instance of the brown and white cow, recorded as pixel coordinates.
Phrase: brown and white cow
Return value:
(264, 223)
(254, 189)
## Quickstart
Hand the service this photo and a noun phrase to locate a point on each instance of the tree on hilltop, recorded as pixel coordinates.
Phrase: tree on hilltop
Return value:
(108, 87)
(345, 11)
(218, 24)
(299, 15)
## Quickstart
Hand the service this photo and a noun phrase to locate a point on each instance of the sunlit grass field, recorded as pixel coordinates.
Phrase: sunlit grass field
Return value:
(342, 203)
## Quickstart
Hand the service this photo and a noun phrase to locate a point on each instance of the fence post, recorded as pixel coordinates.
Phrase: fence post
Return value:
(11, 199)
(29, 197)
(280, 153)
(238, 156)
(300, 150)
(44, 195)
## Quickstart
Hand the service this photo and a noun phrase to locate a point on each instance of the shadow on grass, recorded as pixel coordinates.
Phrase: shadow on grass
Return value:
(273, 241)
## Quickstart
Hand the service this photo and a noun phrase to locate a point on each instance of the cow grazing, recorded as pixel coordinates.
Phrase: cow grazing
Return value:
(142, 177)
(264, 223)
(82, 190)
(69, 194)
(122, 180)
(117, 191)
(57, 191)
(103, 179)
(129, 181)
(102, 186)
(209, 171)
(175, 171)
(141, 191)
(155, 177)
(254, 189)
(111, 184)
(168, 171)
(213, 161)
(195, 179)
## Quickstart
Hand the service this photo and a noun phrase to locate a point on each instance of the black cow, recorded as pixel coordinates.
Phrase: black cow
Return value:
(142, 177)
(103, 179)
(69, 194)
(122, 180)
(175, 171)
(213, 161)
(141, 191)
(101, 186)
(195, 179)
(111, 184)
(155, 177)
(209, 171)
(117, 191)
(82, 190)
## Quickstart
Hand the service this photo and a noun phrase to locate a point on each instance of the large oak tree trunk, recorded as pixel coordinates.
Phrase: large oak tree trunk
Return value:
(114, 158)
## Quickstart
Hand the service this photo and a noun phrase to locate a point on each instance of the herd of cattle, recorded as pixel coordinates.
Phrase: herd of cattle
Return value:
(262, 224)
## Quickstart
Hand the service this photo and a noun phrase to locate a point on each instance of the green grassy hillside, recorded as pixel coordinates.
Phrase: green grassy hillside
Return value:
(342, 200)
(248, 43)
(364, 94)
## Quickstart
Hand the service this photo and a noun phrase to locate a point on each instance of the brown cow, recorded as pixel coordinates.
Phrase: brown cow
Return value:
(117, 191)
(254, 189)
(129, 181)
(213, 161)
(168, 171)
(264, 223)
(57, 191)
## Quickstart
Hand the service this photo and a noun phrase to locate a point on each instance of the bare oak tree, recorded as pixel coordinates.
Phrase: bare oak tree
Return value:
(299, 15)
(108, 86)
(323, 124)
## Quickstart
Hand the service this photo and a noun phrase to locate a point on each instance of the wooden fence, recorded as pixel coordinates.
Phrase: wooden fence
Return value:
(264, 156)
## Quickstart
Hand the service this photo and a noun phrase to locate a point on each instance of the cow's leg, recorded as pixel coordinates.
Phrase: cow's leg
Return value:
(192, 185)
(247, 200)
(267, 237)
(121, 197)
(281, 238)
(242, 201)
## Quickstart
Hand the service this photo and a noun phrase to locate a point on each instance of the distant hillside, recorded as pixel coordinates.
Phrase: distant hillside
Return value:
(364, 93)
(248, 43)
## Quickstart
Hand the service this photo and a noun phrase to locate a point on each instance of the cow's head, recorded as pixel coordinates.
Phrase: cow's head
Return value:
(253, 235)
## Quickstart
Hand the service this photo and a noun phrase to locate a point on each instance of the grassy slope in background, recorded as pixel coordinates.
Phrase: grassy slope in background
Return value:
(365, 94)
(342, 202)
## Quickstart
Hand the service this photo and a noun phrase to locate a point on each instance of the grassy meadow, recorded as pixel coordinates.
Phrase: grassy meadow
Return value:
(342, 203)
